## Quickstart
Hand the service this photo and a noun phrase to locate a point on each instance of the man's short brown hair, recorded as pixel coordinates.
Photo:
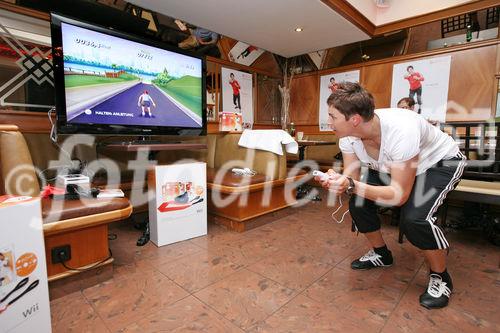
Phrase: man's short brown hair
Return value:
(406, 101)
(351, 98)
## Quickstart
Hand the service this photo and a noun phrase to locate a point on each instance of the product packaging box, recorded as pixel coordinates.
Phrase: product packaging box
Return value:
(24, 293)
(177, 202)
(231, 122)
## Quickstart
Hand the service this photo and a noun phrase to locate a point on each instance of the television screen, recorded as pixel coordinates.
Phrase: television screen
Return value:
(107, 82)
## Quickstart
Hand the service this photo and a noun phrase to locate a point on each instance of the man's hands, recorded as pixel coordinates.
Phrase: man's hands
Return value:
(335, 182)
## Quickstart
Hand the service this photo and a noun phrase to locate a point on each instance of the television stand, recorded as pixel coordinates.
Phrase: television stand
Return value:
(142, 142)
(158, 146)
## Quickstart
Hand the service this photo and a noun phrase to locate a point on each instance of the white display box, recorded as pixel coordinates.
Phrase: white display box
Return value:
(177, 202)
(24, 288)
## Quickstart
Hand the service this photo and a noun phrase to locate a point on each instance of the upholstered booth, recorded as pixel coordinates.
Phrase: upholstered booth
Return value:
(83, 225)
(324, 156)
(238, 200)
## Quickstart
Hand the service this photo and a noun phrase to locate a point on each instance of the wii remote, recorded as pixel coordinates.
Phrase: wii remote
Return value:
(322, 175)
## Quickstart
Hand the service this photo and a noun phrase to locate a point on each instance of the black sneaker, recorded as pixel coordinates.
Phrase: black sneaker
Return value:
(144, 239)
(372, 260)
(438, 293)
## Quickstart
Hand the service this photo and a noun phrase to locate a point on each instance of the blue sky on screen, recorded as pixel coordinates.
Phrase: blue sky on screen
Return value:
(107, 50)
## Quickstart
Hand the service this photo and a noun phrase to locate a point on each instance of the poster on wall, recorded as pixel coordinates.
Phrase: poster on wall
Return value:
(245, 54)
(237, 96)
(426, 82)
(328, 83)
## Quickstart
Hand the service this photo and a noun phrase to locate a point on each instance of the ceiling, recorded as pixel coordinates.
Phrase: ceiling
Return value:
(269, 25)
(396, 10)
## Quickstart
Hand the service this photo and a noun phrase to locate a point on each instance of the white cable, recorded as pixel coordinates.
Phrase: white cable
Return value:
(335, 212)
(53, 138)
(323, 175)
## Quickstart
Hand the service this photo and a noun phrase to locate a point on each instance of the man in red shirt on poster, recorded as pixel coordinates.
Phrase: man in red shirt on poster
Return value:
(247, 51)
(236, 91)
(415, 79)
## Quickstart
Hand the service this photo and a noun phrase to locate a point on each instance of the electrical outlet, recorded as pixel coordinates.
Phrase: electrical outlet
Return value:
(61, 254)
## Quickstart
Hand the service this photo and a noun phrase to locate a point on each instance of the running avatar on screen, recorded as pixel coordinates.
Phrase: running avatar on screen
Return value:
(145, 101)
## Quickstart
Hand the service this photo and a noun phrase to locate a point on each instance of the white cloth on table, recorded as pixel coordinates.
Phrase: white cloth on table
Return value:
(270, 140)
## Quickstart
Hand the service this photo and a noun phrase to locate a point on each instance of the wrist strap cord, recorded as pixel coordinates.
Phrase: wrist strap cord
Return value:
(337, 210)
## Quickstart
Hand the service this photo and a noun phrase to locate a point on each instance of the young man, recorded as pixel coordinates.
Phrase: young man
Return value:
(407, 103)
(236, 91)
(415, 80)
(411, 164)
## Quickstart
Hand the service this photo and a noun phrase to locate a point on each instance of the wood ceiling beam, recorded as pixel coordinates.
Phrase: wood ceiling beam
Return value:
(350, 13)
(24, 11)
(436, 16)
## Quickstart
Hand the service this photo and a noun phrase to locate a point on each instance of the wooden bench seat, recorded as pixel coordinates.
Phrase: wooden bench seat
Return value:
(84, 227)
(477, 191)
(250, 199)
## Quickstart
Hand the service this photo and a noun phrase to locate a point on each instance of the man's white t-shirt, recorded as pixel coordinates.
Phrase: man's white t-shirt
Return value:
(405, 134)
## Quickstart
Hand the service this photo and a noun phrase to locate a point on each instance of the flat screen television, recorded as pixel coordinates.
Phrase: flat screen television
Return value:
(108, 82)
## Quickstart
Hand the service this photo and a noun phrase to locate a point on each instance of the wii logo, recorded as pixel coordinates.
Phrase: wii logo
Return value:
(31, 310)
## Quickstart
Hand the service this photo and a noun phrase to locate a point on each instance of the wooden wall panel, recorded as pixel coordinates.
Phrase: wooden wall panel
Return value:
(472, 75)
(212, 127)
(420, 35)
(266, 126)
(225, 45)
(471, 84)
(28, 122)
(268, 63)
(268, 107)
(304, 95)
(88, 246)
(311, 129)
(377, 80)
(497, 71)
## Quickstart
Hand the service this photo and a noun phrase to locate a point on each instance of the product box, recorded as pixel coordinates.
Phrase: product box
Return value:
(24, 292)
(231, 122)
(177, 202)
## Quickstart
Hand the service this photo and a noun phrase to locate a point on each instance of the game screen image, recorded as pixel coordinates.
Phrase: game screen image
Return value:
(114, 81)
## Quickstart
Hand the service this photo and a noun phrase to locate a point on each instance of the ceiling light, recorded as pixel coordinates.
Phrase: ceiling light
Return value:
(299, 29)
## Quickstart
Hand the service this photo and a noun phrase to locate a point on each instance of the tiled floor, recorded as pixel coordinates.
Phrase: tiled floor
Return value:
(292, 275)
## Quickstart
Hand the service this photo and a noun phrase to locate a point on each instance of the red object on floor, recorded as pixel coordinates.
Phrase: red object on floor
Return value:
(49, 190)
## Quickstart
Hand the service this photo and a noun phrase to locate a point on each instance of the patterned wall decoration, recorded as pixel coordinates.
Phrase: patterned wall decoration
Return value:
(34, 73)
